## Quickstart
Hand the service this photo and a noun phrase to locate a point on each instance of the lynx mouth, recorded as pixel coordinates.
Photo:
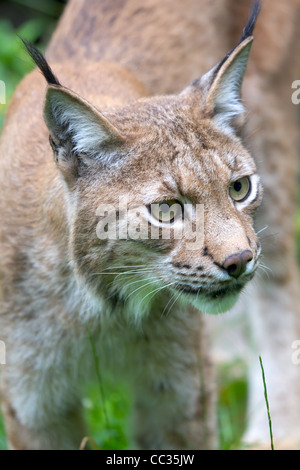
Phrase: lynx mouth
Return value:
(213, 299)
(218, 293)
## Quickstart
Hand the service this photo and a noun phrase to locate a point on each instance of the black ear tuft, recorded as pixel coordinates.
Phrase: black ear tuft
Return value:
(248, 29)
(41, 62)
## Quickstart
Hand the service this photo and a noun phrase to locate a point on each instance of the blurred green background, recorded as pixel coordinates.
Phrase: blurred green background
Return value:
(107, 415)
(32, 19)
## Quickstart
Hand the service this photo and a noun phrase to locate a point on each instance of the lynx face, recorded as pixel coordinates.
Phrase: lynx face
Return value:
(171, 166)
(166, 157)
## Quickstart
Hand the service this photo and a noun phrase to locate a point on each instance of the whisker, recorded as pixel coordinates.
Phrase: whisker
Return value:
(170, 300)
(259, 275)
(158, 289)
(140, 280)
(140, 271)
(131, 266)
(177, 298)
(269, 236)
(141, 287)
(262, 229)
(127, 285)
(253, 132)
(264, 269)
(131, 274)
(122, 272)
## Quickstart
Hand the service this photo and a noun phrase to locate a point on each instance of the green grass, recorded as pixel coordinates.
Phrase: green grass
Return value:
(232, 404)
(109, 423)
(14, 63)
(3, 445)
(267, 402)
(107, 409)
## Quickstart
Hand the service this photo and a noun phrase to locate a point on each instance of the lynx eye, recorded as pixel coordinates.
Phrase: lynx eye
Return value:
(166, 211)
(240, 189)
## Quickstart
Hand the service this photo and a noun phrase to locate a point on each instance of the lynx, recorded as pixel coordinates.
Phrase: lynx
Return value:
(128, 119)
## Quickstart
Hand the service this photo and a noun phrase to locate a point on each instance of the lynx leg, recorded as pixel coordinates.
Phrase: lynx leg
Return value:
(174, 387)
(40, 403)
(63, 433)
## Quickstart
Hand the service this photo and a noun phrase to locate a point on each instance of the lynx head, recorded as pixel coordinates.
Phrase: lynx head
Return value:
(138, 175)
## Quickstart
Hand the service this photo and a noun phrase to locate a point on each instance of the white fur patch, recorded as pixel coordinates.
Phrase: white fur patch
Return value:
(74, 121)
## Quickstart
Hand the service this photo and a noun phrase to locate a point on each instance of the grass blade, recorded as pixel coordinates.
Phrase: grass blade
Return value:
(89, 439)
(98, 375)
(267, 402)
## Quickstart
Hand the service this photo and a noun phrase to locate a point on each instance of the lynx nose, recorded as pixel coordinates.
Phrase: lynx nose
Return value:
(236, 264)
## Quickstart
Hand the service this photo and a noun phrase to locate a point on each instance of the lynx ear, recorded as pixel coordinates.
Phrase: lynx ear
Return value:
(76, 126)
(220, 88)
(78, 131)
(223, 100)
